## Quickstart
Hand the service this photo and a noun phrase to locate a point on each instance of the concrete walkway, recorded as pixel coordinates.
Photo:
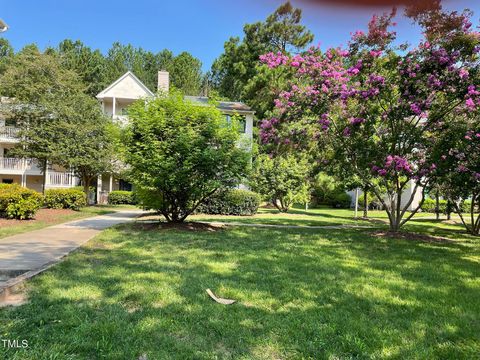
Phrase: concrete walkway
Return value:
(34, 251)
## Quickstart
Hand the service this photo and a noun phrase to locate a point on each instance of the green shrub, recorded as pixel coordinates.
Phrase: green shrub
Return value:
(121, 197)
(71, 198)
(231, 202)
(341, 200)
(17, 202)
(430, 204)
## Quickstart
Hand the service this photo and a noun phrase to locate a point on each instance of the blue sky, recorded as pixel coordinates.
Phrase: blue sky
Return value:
(200, 27)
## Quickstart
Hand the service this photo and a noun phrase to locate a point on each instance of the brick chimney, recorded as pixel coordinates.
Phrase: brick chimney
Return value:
(163, 81)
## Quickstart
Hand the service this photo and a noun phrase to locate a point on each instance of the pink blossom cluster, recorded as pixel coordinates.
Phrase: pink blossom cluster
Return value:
(472, 99)
(274, 60)
(393, 163)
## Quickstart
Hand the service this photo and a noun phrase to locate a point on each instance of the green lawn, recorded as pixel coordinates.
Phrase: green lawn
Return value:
(302, 294)
(18, 227)
(301, 217)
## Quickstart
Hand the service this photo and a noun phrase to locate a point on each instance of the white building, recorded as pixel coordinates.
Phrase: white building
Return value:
(114, 100)
(27, 172)
(117, 97)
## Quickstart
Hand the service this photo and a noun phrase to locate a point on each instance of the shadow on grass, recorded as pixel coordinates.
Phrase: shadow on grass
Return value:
(301, 294)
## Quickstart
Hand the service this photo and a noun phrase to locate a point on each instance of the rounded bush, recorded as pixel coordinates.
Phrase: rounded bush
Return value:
(119, 197)
(231, 202)
(341, 200)
(71, 198)
(17, 202)
(429, 205)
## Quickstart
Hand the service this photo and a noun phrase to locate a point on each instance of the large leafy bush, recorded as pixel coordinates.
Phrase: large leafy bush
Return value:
(179, 153)
(72, 199)
(231, 202)
(17, 202)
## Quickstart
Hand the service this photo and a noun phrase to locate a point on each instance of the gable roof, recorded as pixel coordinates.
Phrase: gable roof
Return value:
(233, 106)
(142, 90)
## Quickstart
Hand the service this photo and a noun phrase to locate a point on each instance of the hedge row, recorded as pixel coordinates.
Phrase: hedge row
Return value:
(17, 202)
(231, 202)
(122, 197)
(429, 206)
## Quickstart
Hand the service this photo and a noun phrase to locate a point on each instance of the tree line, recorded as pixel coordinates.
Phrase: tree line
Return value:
(97, 70)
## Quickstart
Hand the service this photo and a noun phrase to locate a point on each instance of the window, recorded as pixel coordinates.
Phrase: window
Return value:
(7, 181)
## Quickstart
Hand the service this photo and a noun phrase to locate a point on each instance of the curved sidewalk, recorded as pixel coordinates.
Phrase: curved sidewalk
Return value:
(32, 252)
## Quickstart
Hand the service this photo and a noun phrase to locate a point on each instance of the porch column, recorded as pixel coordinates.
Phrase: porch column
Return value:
(110, 185)
(24, 180)
(47, 180)
(114, 107)
(99, 188)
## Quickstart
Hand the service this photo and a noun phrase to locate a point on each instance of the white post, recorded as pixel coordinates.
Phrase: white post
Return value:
(99, 188)
(110, 185)
(24, 180)
(356, 202)
(114, 107)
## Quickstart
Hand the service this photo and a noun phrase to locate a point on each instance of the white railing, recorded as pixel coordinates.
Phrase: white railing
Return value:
(9, 132)
(56, 178)
(18, 164)
(13, 164)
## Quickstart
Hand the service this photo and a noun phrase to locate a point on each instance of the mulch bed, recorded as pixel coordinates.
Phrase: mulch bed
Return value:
(411, 237)
(43, 215)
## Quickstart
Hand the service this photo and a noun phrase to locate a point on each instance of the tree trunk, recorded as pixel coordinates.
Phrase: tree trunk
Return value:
(44, 173)
(437, 206)
(86, 186)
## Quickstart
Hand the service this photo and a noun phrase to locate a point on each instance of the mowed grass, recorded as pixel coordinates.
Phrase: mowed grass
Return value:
(298, 216)
(302, 294)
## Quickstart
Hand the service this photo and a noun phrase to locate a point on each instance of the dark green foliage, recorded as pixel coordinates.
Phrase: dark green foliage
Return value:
(341, 200)
(231, 202)
(73, 199)
(119, 197)
(327, 191)
(237, 73)
(17, 202)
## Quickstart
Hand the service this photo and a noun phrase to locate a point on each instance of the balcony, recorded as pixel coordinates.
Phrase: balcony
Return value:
(9, 134)
(60, 179)
(18, 166)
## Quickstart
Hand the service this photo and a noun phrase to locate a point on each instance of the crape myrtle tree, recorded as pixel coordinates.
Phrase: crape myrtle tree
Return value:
(457, 154)
(237, 75)
(180, 153)
(376, 107)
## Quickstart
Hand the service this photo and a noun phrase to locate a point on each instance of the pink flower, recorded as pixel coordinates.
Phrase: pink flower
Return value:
(463, 73)
(470, 104)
